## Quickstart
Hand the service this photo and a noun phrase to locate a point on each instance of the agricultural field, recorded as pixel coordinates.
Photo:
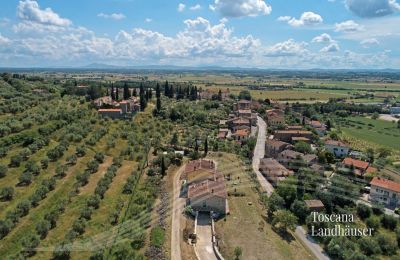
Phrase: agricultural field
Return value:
(379, 133)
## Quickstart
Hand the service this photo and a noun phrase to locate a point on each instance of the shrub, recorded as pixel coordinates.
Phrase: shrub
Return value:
(389, 222)
(42, 228)
(387, 243)
(6, 193)
(363, 211)
(157, 236)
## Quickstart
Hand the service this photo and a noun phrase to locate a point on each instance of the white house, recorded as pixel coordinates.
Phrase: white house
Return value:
(385, 191)
(338, 148)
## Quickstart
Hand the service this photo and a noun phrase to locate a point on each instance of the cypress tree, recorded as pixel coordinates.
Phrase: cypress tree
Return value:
(134, 92)
(163, 167)
(166, 89)
(112, 92)
(158, 95)
(126, 92)
(206, 147)
(116, 93)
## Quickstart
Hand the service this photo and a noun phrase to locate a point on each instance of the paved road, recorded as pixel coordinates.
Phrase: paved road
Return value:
(311, 244)
(259, 152)
(204, 246)
(177, 209)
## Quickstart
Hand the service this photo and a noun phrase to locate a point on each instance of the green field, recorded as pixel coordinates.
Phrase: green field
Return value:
(377, 132)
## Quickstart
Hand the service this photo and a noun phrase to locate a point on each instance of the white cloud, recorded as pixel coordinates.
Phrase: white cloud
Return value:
(323, 38)
(348, 27)
(29, 10)
(4, 21)
(284, 18)
(332, 47)
(4, 40)
(369, 42)
(306, 19)
(372, 8)
(195, 7)
(148, 20)
(114, 16)
(181, 7)
(286, 48)
(239, 8)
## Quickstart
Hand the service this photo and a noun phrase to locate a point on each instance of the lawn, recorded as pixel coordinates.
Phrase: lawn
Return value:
(246, 226)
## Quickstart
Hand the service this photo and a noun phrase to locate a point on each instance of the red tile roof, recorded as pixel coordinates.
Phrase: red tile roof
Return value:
(386, 184)
(336, 143)
(241, 132)
(201, 164)
(110, 110)
(207, 188)
(356, 163)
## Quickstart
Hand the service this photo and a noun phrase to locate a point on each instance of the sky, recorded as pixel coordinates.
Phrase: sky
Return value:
(284, 34)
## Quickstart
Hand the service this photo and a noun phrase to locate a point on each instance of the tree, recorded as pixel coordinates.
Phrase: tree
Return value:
(44, 163)
(174, 140)
(389, 222)
(3, 170)
(206, 147)
(373, 222)
(300, 210)
(283, 220)
(369, 246)
(80, 151)
(15, 161)
(274, 203)
(387, 243)
(143, 101)
(62, 251)
(25, 178)
(302, 147)
(158, 96)
(375, 115)
(42, 228)
(219, 95)
(116, 93)
(245, 94)
(79, 226)
(6, 193)
(5, 228)
(238, 252)
(112, 92)
(363, 211)
(127, 93)
(29, 243)
(163, 166)
(328, 125)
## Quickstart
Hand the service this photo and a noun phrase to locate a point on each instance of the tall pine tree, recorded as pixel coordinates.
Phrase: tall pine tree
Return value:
(112, 91)
(127, 93)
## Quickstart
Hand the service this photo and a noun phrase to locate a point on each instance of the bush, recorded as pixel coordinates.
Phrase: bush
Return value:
(5, 228)
(373, 222)
(42, 228)
(25, 178)
(387, 243)
(157, 236)
(29, 243)
(369, 246)
(79, 226)
(389, 222)
(6, 193)
(3, 170)
(363, 211)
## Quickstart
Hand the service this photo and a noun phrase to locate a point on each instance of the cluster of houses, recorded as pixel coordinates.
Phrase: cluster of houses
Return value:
(281, 160)
(107, 107)
(205, 186)
(238, 125)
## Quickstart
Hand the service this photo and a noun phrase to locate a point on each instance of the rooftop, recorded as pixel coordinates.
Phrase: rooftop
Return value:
(385, 184)
(314, 203)
(356, 163)
(208, 188)
(110, 110)
(336, 143)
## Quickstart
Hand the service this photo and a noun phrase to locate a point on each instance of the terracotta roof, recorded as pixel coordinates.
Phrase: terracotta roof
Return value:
(300, 138)
(241, 121)
(293, 132)
(272, 167)
(244, 111)
(275, 143)
(356, 163)
(241, 132)
(110, 110)
(386, 184)
(371, 169)
(221, 135)
(291, 154)
(336, 143)
(314, 203)
(207, 188)
(199, 165)
(316, 124)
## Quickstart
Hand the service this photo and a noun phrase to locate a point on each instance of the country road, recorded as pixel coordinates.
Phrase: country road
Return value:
(311, 244)
(178, 204)
(259, 152)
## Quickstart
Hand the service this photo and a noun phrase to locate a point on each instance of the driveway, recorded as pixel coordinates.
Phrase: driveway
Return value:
(259, 152)
(311, 244)
(178, 205)
(204, 246)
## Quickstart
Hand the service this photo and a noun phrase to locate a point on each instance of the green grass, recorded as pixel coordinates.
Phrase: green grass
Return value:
(157, 236)
(377, 132)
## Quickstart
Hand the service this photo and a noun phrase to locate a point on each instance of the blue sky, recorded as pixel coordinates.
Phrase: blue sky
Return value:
(291, 34)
